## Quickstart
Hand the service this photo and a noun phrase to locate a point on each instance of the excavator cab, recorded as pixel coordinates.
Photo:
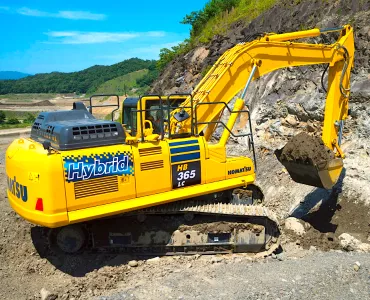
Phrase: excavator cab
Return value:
(149, 112)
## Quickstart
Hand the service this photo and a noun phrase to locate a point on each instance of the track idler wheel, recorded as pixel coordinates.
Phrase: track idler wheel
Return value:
(69, 240)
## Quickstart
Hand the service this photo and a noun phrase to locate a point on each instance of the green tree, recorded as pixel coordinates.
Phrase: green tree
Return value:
(198, 19)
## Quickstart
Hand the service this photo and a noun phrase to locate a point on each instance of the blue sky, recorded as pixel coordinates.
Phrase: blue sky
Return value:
(41, 36)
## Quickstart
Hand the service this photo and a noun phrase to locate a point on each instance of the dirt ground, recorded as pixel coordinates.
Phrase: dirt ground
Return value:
(61, 104)
(27, 266)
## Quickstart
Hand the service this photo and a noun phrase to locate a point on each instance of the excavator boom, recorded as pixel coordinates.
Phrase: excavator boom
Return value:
(249, 61)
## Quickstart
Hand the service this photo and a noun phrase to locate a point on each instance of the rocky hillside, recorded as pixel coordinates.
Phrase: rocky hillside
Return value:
(291, 100)
(183, 73)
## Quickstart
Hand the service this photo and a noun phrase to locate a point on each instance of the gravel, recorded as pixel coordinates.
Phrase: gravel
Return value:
(329, 275)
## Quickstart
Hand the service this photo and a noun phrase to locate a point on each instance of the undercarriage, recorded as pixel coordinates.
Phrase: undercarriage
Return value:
(207, 226)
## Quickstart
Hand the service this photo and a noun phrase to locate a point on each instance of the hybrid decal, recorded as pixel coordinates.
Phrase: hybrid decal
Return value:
(17, 189)
(240, 170)
(84, 167)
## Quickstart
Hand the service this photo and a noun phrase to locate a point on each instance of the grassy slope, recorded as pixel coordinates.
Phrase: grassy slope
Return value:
(121, 84)
(246, 10)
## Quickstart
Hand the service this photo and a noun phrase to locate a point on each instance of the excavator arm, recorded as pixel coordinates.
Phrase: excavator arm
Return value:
(248, 61)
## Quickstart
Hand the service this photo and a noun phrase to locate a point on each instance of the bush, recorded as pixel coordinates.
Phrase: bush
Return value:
(167, 55)
(13, 121)
(30, 118)
(217, 16)
(198, 19)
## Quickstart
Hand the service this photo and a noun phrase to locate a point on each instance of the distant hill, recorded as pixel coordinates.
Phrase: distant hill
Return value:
(122, 84)
(85, 81)
(11, 75)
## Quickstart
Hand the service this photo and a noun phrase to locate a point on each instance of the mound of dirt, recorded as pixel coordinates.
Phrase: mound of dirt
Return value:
(43, 103)
(40, 103)
(306, 149)
(336, 216)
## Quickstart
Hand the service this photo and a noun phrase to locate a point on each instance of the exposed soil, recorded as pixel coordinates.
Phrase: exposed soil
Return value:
(26, 104)
(337, 215)
(305, 148)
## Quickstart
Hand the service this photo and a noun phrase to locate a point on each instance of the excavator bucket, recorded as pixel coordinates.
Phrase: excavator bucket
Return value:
(310, 162)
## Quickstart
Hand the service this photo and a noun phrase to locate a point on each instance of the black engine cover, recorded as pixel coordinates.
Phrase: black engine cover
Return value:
(75, 129)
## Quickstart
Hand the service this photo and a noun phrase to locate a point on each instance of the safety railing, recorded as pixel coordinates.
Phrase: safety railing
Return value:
(90, 107)
(219, 122)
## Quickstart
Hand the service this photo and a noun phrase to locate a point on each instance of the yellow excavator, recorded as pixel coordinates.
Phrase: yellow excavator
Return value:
(156, 183)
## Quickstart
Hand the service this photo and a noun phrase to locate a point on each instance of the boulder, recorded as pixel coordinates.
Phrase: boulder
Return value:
(350, 243)
(295, 225)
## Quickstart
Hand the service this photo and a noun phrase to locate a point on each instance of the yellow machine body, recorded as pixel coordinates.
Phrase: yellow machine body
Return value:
(81, 185)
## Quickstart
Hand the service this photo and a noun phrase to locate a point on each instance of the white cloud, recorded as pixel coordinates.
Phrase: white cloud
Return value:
(72, 15)
(79, 37)
(81, 15)
(33, 12)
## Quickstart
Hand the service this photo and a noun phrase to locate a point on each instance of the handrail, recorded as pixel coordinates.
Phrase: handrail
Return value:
(90, 107)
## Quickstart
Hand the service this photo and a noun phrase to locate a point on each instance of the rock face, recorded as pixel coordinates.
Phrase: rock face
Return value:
(183, 73)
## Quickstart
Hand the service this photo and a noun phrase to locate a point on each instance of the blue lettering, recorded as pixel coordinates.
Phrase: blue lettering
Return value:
(72, 170)
(17, 189)
(237, 171)
(123, 164)
(18, 192)
(94, 167)
(24, 193)
(99, 167)
(88, 171)
(115, 162)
